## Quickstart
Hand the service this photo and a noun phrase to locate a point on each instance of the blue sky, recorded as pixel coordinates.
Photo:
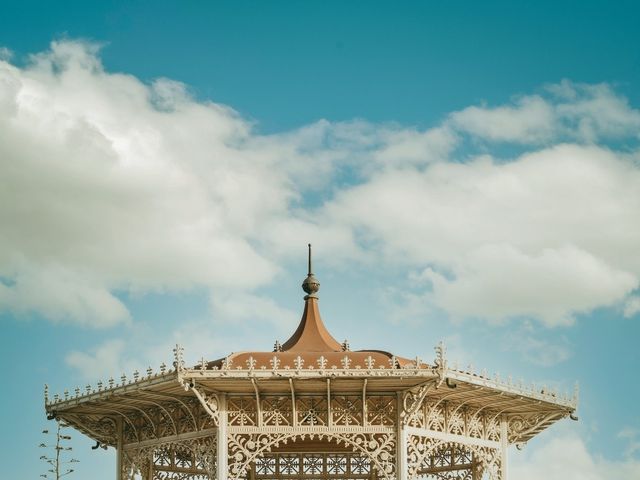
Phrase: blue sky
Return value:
(467, 172)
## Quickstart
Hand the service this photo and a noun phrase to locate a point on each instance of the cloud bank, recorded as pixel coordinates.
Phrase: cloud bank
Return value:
(566, 457)
(111, 185)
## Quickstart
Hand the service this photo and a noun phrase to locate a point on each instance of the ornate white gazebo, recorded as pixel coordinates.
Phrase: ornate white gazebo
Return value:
(311, 409)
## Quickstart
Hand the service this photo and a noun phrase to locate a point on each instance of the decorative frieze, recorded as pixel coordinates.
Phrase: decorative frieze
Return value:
(378, 448)
(346, 410)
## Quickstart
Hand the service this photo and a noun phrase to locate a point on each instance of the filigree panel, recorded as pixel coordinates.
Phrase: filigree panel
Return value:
(428, 457)
(452, 462)
(475, 425)
(103, 428)
(241, 411)
(312, 411)
(183, 460)
(336, 466)
(455, 422)
(434, 416)
(459, 420)
(377, 448)
(381, 410)
(521, 428)
(276, 411)
(346, 410)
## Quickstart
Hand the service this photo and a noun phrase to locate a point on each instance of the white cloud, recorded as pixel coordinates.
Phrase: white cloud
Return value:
(596, 111)
(499, 282)
(103, 361)
(632, 306)
(572, 112)
(235, 307)
(548, 235)
(123, 185)
(238, 321)
(632, 436)
(5, 54)
(545, 352)
(61, 293)
(530, 120)
(112, 185)
(566, 457)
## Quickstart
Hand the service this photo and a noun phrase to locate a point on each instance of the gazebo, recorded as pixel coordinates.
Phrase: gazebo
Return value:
(310, 409)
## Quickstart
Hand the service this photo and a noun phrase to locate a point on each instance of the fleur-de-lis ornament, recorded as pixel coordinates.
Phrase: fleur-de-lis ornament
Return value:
(275, 362)
(369, 362)
(322, 362)
(345, 362)
(251, 363)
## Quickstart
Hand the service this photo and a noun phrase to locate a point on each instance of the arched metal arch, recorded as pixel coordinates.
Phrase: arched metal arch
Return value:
(273, 440)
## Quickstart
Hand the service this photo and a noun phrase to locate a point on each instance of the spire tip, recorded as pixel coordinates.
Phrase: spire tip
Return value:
(310, 284)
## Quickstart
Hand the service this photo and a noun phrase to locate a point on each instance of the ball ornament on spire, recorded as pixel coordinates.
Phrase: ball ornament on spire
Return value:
(311, 285)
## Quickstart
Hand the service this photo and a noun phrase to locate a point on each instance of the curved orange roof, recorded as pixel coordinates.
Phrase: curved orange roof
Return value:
(311, 334)
(312, 342)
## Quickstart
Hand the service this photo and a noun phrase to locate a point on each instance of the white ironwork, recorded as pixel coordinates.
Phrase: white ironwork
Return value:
(319, 413)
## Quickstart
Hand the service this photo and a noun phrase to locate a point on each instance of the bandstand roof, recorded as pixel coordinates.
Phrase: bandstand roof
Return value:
(311, 361)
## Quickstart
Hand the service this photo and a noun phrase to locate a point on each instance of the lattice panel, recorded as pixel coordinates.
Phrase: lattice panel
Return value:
(346, 410)
(431, 458)
(373, 454)
(183, 460)
(175, 458)
(449, 463)
(434, 417)
(241, 411)
(312, 411)
(454, 419)
(276, 411)
(318, 466)
(381, 410)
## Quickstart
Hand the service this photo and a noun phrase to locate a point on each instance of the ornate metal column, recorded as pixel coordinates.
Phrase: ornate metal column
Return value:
(222, 451)
(401, 454)
(504, 441)
(119, 449)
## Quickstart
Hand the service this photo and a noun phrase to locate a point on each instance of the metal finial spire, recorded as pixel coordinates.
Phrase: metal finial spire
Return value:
(310, 285)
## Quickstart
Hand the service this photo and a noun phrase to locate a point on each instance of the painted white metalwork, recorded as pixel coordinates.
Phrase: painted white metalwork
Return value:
(435, 422)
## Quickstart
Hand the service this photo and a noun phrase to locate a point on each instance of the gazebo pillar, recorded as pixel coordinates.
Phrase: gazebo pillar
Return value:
(222, 453)
(119, 449)
(401, 443)
(504, 445)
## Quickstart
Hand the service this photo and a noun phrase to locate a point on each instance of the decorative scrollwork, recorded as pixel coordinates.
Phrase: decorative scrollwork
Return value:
(103, 429)
(427, 455)
(241, 411)
(276, 411)
(346, 410)
(522, 428)
(381, 410)
(182, 460)
(379, 448)
(209, 402)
